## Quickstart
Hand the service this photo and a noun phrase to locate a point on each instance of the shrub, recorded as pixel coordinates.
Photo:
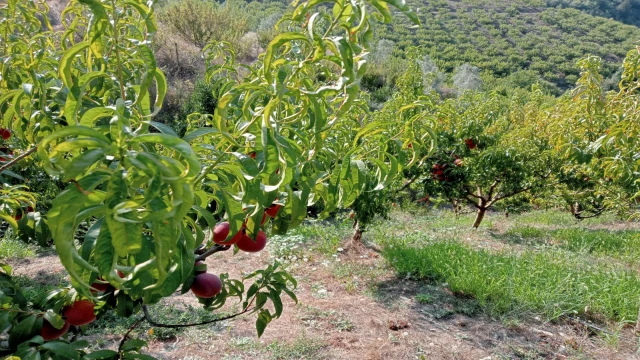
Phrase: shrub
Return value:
(200, 22)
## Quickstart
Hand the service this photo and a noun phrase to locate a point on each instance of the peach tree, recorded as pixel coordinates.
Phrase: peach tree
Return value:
(397, 138)
(611, 122)
(488, 151)
(79, 103)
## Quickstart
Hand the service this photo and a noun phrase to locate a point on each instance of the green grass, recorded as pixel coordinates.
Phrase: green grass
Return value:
(419, 226)
(526, 232)
(623, 245)
(550, 283)
(527, 235)
(11, 248)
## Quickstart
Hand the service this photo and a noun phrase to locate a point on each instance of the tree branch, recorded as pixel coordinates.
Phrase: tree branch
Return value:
(126, 336)
(407, 184)
(174, 326)
(469, 192)
(578, 214)
(492, 188)
(472, 201)
(18, 159)
(214, 249)
(509, 195)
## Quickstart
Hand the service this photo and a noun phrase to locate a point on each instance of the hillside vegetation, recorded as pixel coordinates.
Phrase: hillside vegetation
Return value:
(506, 37)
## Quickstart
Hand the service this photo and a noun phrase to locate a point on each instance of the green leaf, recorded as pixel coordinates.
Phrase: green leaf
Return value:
(24, 330)
(138, 357)
(401, 5)
(104, 252)
(6, 268)
(101, 355)
(147, 14)
(146, 55)
(274, 45)
(125, 236)
(62, 221)
(81, 163)
(134, 345)
(176, 144)
(90, 238)
(161, 91)
(277, 302)
(92, 115)
(165, 129)
(264, 318)
(64, 70)
(62, 349)
(54, 319)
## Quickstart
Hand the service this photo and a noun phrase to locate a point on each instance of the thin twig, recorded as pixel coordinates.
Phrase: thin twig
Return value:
(214, 249)
(173, 326)
(18, 159)
(126, 336)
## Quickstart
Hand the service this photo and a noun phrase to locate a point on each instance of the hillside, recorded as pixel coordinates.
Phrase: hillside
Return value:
(505, 36)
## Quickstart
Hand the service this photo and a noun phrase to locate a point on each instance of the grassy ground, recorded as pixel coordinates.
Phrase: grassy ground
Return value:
(537, 264)
(537, 285)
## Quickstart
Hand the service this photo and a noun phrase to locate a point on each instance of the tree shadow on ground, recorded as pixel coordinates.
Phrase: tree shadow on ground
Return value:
(432, 307)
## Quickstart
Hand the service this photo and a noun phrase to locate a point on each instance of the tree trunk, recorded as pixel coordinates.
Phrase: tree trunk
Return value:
(479, 217)
(357, 234)
(456, 207)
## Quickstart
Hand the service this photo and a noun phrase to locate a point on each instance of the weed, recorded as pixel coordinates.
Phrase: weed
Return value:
(319, 291)
(287, 249)
(15, 249)
(343, 324)
(511, 323)
(424, 298)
